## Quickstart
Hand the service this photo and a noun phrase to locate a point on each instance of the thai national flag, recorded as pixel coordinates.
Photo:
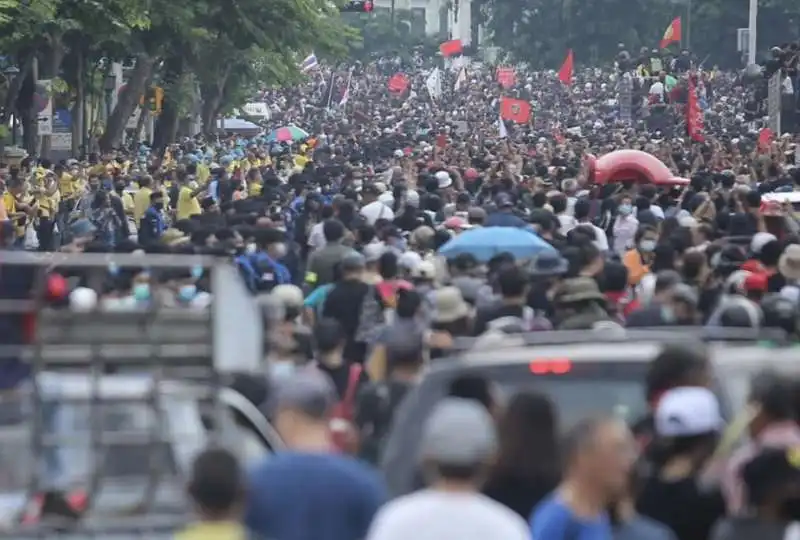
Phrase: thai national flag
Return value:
(309, 63)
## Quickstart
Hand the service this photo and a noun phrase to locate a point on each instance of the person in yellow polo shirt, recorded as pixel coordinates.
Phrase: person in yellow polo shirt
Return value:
(188, 205)
(141, 200)
(17, 209)
(47, 199)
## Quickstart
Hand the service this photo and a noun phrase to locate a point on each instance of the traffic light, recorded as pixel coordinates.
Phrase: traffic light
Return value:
(359, 6)
(155, 99)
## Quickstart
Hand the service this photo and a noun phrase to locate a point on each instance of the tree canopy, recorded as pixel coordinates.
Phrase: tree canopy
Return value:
(540, 31)
(207, 55)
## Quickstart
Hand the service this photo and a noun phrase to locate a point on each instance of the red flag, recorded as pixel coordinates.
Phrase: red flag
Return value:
(764, 139)
(672, 34)
(565, 73)
(516, 110)
(398, 83)
(694, 116)
(451, 48)
(506, 76)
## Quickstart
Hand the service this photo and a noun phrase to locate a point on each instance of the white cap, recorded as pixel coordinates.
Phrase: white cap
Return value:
(759, 240)
(688, 411)
(444, 179)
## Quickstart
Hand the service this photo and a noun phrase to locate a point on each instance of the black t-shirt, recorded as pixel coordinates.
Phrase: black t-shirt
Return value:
(340, 376)
(682, 506)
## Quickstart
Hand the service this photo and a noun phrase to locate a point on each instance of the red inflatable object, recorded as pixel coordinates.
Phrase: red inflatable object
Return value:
(633, 165)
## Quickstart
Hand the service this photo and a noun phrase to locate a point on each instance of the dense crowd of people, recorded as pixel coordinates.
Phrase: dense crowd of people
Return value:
(365, 234)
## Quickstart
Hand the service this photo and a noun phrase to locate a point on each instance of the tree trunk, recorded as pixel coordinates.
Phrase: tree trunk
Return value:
(50, 70)
(144, 114)
(133, 91)
(27, 113)
(167, 125)
(211, 96)
(208, 114)
(78, 108)
(14, 89)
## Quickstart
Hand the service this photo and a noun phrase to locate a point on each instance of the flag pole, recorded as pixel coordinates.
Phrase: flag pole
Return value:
(330, 91)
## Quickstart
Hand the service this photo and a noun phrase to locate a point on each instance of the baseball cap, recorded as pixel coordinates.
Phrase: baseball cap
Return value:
(503, 200)
(352, 261)
(307, 391)
(686, 411)
(458, 432)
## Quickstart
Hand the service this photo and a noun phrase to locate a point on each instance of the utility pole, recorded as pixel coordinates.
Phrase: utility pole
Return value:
(752, 23)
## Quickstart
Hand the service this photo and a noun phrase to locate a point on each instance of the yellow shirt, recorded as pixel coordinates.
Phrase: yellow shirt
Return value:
(203, 172)
(47, 205)
(11, 207)
(141, 202)
(223, 530)
(3, 212)
(127, 203)
(66, 185)
(188, 205)
(254, 189)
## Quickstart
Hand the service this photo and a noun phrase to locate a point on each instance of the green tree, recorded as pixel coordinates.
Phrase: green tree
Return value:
(540, 31)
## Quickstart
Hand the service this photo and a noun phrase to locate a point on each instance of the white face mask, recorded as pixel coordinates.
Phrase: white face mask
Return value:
(250, 248)
(280, 250)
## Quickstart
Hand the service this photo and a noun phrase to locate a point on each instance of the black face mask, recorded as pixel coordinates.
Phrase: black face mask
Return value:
(158, 205)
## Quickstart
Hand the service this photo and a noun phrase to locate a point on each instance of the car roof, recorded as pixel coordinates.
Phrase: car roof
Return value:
(634, 347)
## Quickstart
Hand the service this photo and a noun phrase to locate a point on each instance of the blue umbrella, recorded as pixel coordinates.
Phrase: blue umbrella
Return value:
(486, 242)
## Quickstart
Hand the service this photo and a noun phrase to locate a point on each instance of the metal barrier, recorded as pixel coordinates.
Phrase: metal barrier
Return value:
(118, 401)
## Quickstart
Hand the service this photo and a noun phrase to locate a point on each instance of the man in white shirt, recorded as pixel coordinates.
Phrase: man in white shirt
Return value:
(373, 209)
(583, 208)
(458, 443)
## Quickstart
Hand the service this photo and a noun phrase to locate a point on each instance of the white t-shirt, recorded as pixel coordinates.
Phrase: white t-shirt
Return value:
(316, 238)
(435, 515)
(377, 210)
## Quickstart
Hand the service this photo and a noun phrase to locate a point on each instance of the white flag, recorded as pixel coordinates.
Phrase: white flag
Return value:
(434, 83)
(461, 79)
(346, 95)
(501, 125)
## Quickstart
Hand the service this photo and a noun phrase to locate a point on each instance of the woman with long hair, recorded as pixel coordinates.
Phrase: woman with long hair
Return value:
(527, 466)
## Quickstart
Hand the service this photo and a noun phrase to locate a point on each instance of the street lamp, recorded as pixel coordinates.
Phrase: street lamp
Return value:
(11, 73)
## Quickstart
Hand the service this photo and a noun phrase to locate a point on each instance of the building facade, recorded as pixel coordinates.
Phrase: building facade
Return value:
(450, 17)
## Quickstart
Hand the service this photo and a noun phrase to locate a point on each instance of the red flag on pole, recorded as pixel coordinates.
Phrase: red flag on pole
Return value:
(516, 110)
(672, 34)
(451, 48)
(565, 73)
(694, 116)
(506, 76)
(398, 83)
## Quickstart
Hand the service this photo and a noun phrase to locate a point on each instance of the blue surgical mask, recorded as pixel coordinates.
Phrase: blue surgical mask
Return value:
(625, 209)
(668, 314)
(141, 292)
(187, 292)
